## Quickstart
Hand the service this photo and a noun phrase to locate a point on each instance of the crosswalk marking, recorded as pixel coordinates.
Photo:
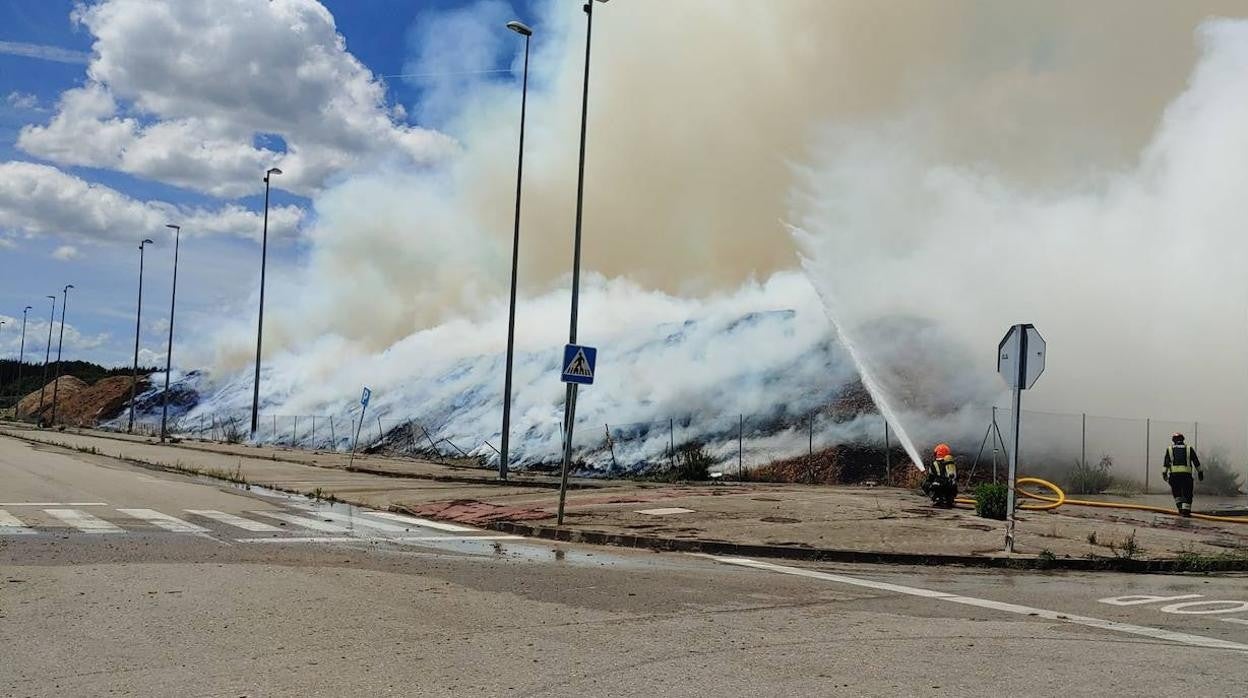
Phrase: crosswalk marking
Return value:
(235, 521)
(165, 521)
(427, 523)
(361, 521)
(11, 525)
(83, 521)
(303, 521)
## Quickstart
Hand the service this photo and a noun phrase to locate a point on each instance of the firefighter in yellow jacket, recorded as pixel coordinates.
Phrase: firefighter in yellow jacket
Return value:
(941, 483)
(1177, 470)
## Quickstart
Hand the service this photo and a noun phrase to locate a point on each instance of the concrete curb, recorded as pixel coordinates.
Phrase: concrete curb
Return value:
(719, 547)
(190, 446)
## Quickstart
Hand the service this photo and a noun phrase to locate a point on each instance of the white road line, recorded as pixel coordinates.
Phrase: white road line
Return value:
(302, 521)
(1241, 621)
(53, 504)
(412, 520)
(235, 521)
(1155, 633)
(83, 521)
(348, 539)
(11, 525)
(165, 521)
(366, 523)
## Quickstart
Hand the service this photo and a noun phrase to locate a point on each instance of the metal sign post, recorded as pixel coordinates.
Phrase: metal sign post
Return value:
(1020, 361)
(364, 398)
(579, 364)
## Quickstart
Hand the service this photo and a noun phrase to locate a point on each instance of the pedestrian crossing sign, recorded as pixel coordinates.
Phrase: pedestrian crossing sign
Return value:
(578, 364)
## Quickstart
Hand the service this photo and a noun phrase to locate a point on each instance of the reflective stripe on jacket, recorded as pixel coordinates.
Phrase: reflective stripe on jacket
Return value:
(1180, 458)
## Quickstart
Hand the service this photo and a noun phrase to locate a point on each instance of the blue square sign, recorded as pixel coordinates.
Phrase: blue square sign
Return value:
(578, 364)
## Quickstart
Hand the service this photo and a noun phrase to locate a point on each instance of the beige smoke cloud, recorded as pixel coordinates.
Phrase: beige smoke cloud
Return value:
(702, 115)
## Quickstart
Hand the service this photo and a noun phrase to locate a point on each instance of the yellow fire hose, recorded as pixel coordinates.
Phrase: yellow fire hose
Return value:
(1060, 498)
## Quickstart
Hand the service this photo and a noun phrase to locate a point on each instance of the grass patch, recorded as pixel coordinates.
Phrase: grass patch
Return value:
(1128, 549)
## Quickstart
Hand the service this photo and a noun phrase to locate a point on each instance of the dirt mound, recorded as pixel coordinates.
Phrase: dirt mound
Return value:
(79, 404)
(39, 402)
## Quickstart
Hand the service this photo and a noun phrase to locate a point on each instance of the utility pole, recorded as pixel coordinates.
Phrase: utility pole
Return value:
(60, 344)
(173, 303)
(264, 256)
(47, 353)
(138, 315)
(569, 404)
(504, 454)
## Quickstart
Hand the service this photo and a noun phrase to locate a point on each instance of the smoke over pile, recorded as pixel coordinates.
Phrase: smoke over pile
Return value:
(962, 164)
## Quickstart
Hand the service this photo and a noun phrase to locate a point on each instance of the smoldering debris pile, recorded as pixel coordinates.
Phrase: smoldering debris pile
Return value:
(843, 464)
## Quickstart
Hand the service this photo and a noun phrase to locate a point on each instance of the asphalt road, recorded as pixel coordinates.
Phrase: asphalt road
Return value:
(123, 581)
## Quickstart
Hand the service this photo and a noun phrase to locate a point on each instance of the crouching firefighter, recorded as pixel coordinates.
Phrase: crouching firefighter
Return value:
(1177, 470)
(941, 483)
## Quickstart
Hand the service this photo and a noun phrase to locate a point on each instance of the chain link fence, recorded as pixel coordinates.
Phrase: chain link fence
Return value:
(1082, 452)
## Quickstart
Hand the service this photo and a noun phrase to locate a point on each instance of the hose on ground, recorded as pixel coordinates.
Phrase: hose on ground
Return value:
(1059, 498)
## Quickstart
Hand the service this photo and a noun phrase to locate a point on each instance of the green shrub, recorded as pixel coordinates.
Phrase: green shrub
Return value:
(692, 463)
(990, 500)
(1219, 479)
(1091, 479)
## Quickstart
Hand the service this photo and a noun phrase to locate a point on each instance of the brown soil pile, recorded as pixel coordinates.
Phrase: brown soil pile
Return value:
(29, 406)
(79, 404)
(845, 464)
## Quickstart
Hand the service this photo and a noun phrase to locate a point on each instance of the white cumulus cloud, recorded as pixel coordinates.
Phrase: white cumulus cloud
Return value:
(66, 253)
(40, 200)
(190, 108)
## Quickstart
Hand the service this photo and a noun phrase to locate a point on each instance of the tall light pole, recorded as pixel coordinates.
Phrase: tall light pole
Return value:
(47, 353)
(503, 461)
(138, 318)
(60, 344)
(21, 355)
(264, 255)
(173, 304)
(569, 405)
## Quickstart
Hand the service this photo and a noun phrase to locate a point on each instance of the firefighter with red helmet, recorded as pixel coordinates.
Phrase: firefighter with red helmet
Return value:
(941, 483)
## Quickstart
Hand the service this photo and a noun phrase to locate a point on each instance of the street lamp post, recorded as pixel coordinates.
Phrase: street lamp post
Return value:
(264, 255)
(47, 353)
(173, 304)
(503, 460)
(21, 354)
(569, 408)
(138, 316)
(60, 344)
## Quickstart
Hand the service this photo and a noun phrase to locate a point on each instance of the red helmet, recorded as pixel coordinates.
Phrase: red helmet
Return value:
(942, 450)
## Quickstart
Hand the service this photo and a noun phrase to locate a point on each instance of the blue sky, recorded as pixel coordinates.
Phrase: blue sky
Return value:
(53, 231)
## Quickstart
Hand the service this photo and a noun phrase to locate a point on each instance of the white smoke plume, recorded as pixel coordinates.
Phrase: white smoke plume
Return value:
(965, 164)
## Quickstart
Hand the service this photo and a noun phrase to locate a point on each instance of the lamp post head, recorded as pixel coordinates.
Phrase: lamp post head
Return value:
(52, 297)
(145, 242)
(270, 172)
(171, 226)
(67, 287)
(520, 28)
(29, 307)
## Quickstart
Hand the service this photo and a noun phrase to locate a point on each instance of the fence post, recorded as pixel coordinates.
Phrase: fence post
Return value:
(332, 436)
(888, 457)
(671, 443)
(1083, 444)
(201, 426)
(313, 431)
(380, 431)
(294, 432)
(1148, 428)
(1196, 435)
(611, 446)
(275, 429)
(994, 445)
(810, 441)
(740, 449)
